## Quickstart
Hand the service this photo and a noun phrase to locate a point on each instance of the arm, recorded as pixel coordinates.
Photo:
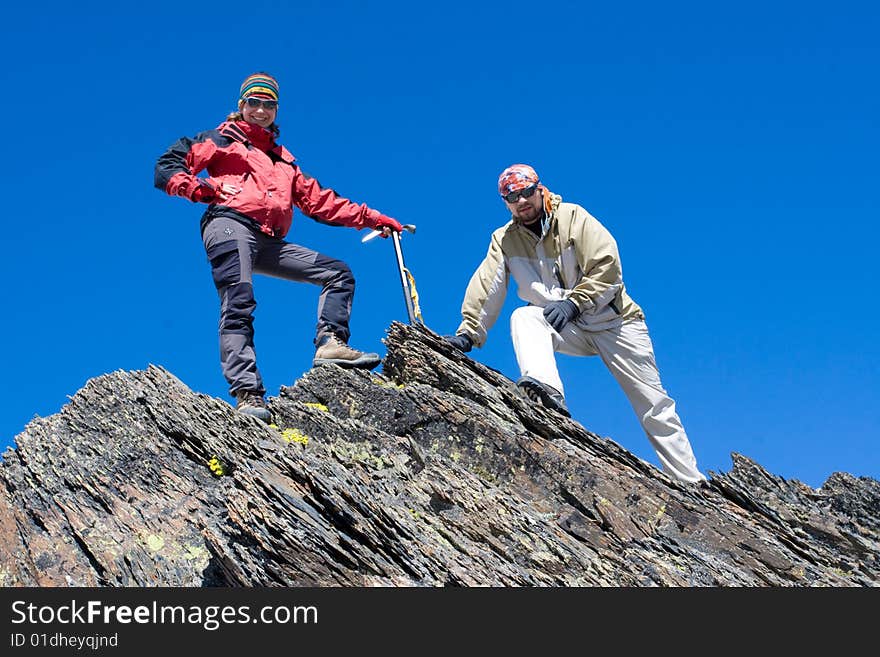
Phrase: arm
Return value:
(598, 258)
(485, 294)
(325, 205)
(177, 169)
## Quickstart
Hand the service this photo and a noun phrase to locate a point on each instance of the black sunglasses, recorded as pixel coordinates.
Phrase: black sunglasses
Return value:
(528, 192)
(254, 103)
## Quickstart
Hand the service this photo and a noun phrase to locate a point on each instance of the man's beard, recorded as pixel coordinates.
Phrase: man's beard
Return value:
(533, 215)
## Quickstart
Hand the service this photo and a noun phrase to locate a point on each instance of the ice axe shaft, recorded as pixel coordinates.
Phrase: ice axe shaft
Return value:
(406, 281)
(407, 297)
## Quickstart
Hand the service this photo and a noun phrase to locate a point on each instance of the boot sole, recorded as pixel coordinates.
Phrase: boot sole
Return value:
(532, 385)
(367, 361)
(260, 413)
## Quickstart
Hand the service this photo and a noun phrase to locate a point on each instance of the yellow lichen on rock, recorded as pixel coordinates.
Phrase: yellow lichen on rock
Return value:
(216, 466)
(295, 436)
(155, 543)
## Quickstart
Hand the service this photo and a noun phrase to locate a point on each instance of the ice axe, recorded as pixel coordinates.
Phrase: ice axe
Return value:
(410, 296)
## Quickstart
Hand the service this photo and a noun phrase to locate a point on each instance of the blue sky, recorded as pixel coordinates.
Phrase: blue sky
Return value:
(731, 150)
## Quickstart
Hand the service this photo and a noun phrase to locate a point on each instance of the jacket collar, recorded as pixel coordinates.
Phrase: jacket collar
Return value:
(248, 133)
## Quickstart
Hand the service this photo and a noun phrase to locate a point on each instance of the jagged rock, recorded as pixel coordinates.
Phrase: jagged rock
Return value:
(435, 472)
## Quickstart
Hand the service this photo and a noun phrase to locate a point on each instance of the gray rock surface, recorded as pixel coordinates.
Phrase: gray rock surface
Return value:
(435, 472)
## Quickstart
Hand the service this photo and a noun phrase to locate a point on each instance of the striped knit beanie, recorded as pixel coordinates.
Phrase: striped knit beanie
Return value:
(259, 85)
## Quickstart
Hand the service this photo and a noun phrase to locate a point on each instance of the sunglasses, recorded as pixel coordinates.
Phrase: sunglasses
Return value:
(528, 192)
(254, 103)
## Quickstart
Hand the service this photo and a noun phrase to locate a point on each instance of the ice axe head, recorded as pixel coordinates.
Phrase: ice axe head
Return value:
(410, 228)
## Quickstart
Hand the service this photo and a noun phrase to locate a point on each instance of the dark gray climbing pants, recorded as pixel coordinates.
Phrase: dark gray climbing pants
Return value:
(237, 251)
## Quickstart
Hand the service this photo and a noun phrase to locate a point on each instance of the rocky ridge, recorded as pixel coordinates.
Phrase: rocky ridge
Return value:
(434, 472)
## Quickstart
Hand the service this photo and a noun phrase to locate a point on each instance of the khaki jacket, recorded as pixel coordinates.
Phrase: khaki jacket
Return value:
(576, 259)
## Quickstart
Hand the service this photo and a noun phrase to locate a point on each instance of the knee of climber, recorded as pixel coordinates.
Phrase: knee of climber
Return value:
(237, 315)
(344, 278)
(527, 315)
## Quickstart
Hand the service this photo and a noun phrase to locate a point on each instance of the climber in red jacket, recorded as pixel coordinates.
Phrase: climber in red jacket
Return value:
(252, 185)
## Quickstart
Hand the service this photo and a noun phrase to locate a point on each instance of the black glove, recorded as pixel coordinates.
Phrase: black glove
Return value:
(560, 313)
(462, 342)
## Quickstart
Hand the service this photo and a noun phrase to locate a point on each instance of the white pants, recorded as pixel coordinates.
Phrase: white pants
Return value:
(629, 355)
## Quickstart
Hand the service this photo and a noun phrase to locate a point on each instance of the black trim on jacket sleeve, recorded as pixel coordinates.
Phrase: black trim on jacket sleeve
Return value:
(173, 160)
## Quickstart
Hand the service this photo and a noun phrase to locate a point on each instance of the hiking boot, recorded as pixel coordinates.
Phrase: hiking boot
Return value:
(252, 403)
(549, 396)
(333, 350)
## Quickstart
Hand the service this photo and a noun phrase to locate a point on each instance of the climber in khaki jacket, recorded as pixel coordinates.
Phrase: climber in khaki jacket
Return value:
(566, 266)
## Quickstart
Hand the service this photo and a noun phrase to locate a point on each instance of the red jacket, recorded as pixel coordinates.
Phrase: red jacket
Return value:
(246, 156)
